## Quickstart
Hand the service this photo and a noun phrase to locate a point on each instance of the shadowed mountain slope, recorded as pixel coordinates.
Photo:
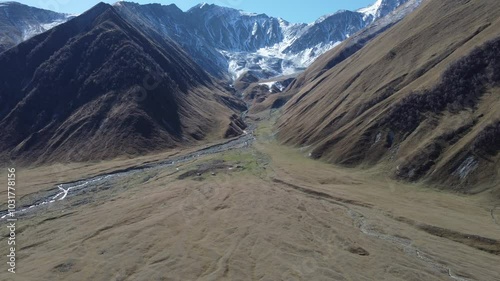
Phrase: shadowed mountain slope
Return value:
(419, 101)
(95, 87)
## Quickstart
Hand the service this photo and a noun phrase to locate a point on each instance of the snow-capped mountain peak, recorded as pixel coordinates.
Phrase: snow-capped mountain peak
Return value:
(230, 42)
(325, 17)
(372, 9)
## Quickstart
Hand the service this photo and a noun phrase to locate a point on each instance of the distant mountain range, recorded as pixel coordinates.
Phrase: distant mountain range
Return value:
(19, 22)
(227, 42)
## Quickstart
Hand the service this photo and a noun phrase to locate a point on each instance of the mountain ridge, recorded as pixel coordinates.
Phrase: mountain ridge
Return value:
(229, 42)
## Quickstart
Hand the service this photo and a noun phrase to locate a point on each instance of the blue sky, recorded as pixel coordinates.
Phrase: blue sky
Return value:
(291, 10)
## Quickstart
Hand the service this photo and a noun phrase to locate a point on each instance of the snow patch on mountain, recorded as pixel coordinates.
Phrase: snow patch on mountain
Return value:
(275, 60)
(272, 61)
(35, 29)
(248, 14)
(272, 85)
(371, 10)
(20, 22)
(269, 85)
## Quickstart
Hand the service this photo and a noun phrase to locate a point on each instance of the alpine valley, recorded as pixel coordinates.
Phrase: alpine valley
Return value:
(146, 142)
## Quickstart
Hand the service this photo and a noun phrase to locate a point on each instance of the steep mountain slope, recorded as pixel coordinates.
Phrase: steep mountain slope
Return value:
(20, 22)
(419, 100)
(98, 79)
(230, 41)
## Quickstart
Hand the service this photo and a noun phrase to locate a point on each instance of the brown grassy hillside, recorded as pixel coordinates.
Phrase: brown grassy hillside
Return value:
(96, 87)
(420, 100)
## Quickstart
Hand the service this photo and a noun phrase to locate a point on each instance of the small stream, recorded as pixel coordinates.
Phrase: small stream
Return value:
(406, 244)
(62, 191)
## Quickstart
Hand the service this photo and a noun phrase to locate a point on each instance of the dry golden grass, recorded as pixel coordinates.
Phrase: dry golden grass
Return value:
(281, 216)
(35, 179)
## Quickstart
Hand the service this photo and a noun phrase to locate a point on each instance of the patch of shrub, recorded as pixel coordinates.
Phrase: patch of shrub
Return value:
(389, 91)
(420, 164)
(461, 86)
(453, 136)
(488, 140)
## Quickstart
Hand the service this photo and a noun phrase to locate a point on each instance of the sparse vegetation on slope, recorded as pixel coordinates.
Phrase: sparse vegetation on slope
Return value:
(461, 87)
(418, 102)
(489, 139)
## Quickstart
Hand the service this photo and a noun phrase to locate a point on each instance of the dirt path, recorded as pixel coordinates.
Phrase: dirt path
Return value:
(265, 221)
(361, 222)
(405, 244)
(494, 216)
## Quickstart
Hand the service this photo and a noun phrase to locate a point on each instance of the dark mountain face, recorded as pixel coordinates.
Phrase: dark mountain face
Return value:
(19, 22)
(233, 30)
(97, 78)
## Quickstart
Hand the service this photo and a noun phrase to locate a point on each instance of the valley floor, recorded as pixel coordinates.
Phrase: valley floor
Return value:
(261, 212)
